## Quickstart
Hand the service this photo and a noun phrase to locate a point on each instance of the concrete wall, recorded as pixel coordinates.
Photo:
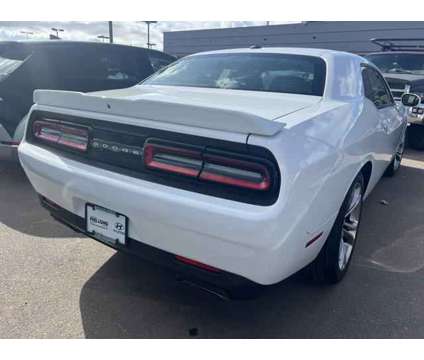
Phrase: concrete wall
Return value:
(350, 36)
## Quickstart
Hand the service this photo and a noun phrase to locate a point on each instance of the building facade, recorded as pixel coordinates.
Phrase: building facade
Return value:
(352, 36)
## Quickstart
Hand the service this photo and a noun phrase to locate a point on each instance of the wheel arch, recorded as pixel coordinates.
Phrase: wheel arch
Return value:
(366, 171)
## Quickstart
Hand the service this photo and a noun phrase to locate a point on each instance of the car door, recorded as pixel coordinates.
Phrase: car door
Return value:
(390, 124)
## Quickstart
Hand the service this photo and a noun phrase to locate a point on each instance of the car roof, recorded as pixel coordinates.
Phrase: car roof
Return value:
(46, 44)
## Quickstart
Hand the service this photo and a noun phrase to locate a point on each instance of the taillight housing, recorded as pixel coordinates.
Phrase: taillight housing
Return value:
(220, 167)
(70, 136)
(173, 158)
(232, 171)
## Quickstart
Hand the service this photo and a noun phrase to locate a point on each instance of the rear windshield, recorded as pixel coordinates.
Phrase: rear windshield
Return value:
(282, 73)
(398, 63)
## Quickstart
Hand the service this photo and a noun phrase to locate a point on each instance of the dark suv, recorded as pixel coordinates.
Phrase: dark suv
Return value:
(64, 65)
(402, 63)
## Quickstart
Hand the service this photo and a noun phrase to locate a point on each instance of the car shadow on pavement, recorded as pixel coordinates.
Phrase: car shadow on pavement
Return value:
(20, 209)
(127, 298)
(392, 231)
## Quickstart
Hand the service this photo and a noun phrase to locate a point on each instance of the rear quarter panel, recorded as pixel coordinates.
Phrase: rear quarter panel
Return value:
(319, 158)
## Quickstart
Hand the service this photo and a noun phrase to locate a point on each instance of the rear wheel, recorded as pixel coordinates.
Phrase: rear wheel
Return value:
(334, 258)
(416, 136)
(395, 164)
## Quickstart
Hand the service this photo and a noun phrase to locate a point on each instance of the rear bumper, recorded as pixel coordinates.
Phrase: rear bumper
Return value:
(221, 283)
(258, 243)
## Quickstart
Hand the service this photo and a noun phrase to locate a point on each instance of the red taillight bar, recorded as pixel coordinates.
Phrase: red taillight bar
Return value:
(173, 159)
(196, 263)
(241, 173)
(66, 135)
(46, 131)
(225, 169)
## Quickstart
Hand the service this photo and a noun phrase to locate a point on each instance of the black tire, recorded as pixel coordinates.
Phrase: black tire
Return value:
(394, 166)
(326, 268)
(416, 136)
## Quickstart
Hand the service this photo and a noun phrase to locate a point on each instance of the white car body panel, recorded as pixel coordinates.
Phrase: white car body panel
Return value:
(320, 144)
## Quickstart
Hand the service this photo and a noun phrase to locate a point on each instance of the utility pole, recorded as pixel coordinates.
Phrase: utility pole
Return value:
(149, 44)
(110, 32)
(27, 33)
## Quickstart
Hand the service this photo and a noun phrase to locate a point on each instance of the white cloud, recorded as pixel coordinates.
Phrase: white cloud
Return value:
(131, 33)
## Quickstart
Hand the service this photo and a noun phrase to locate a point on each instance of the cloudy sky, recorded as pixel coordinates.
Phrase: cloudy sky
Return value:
(132, 33)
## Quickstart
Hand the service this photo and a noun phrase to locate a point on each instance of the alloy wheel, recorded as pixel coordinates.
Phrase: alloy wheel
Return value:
(398, 156)
(350, 226)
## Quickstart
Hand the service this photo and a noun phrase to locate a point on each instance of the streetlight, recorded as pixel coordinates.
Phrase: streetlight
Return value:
(103, 37)
(27, 33)
(56, 30)
(149, 44)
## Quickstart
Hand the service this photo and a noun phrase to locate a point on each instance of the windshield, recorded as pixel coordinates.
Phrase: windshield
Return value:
(245, 71)
(7, 66)
(399, 63)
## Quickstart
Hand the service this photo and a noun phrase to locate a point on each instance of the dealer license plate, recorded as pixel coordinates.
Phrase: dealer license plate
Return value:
(106, 225)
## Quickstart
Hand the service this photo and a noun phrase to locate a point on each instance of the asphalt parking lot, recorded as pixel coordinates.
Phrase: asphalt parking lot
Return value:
(56, 284)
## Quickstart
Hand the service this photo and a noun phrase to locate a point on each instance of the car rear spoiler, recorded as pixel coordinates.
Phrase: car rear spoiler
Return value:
(170, 112)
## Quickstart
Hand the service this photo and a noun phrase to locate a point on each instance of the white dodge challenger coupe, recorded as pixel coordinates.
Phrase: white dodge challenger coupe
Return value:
(234, 167)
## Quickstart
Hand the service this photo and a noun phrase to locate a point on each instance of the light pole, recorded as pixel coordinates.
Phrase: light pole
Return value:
(27, 33)
(110, 31)
(56, 30)
(149, 44)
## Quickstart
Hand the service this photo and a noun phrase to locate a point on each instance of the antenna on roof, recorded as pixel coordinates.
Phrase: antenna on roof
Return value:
(255, 47)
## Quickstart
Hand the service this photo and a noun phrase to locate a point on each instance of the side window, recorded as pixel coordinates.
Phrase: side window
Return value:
(115, 66)
(158, 61)
(376, 89)
(93, 68)
(95, 64)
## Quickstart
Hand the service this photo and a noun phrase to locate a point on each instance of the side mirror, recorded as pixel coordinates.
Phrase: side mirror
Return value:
(410, 100)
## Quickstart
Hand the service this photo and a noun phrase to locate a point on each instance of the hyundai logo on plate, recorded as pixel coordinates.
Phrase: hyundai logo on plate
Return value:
(119, 226)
